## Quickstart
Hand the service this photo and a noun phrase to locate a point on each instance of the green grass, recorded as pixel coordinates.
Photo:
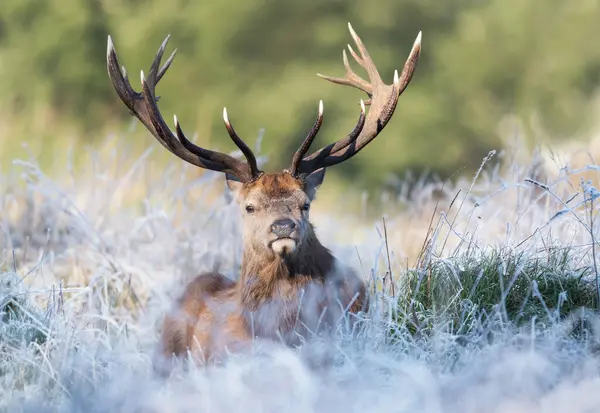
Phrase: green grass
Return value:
(472, 290)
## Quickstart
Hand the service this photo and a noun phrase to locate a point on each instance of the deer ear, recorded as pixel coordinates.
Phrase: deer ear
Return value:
(313, 182)
(234, 185)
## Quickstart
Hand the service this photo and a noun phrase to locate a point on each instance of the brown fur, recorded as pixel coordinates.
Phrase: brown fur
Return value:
(274, 185)
(279, 297)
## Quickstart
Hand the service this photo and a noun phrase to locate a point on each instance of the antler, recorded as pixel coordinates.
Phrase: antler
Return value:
(143, 106)
(383, 100)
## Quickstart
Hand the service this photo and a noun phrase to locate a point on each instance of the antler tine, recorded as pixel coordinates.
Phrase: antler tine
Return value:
(351, 78)
(241, 144)
(200, 152)
(155, 66)
(156, 72)
(365, 59)
(352, 136)
(307, 141)
(384, 99)
(119, 79)
(143, 106)
(409, 66)
(313, 162)
(166, 138)
(359, 125)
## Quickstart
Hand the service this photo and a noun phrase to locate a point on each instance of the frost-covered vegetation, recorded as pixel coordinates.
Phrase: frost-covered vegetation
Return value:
(484, 293)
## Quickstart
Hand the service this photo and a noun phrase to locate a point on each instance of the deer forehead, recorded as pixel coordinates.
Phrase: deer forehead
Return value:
(276, 189)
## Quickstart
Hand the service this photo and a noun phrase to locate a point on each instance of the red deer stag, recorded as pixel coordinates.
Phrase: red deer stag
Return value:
(289, 284)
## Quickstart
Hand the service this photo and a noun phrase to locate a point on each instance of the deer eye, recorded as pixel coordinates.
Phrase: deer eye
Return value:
(306, 207)
(249, 209)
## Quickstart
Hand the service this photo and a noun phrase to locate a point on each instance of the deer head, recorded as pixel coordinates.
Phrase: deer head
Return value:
(275, 206)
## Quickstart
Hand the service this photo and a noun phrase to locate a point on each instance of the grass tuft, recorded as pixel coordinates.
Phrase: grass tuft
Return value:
(470, 292)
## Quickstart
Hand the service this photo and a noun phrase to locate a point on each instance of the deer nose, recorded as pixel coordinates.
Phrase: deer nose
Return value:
(283, 227)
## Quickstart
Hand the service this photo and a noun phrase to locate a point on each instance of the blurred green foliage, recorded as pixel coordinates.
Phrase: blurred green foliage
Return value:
(481, 61)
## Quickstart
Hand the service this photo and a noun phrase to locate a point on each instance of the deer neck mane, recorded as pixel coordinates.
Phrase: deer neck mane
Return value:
(265, 274)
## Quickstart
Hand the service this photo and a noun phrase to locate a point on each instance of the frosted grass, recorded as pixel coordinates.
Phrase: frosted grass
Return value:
(93, 260)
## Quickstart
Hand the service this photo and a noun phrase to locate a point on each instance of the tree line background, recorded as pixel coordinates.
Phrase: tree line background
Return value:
(483, 62)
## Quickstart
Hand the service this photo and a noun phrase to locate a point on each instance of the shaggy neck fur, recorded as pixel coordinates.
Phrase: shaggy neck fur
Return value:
(265, 275)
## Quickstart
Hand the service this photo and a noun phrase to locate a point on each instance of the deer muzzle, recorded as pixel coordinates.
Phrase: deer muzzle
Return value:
(285, 231)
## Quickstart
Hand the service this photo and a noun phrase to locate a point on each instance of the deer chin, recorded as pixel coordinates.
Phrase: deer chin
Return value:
(284, 246)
